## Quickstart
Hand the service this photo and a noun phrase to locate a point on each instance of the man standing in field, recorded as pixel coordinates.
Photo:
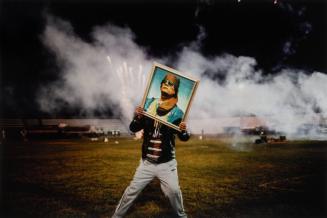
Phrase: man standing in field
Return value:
(158, 160)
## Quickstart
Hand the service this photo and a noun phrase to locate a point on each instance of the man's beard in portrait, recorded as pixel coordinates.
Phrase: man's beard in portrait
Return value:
(165, 95)
(168, 102)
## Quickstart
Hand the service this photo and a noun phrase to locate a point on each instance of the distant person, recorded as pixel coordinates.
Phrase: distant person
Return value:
(158, 160)
(166, 107)
(3, 134)
(23, 133)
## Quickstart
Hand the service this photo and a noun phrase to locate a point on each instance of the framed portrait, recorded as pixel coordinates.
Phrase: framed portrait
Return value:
(168, 95)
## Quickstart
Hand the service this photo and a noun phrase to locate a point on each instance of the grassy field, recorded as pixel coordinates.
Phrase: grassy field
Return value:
(79, 178)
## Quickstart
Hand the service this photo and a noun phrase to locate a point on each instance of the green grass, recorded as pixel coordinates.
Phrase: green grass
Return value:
(79, 178)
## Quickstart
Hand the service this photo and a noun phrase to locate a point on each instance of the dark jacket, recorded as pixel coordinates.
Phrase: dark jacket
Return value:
(167, 136)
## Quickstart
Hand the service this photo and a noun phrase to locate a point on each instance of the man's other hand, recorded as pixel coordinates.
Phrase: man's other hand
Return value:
(182, 126)
(139, 112)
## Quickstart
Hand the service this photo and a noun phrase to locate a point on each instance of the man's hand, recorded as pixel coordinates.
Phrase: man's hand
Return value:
(139, 112)
(182, 126)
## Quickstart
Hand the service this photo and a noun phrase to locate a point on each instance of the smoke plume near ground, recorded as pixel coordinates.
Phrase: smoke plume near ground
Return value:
(111, 72)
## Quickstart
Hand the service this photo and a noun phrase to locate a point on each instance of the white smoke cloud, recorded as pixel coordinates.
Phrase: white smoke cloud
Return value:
(286, 101)
(110, 72)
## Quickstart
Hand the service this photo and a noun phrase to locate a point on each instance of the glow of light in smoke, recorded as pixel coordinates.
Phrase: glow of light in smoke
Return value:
(110, 73)
(128, 78)
(109, 59)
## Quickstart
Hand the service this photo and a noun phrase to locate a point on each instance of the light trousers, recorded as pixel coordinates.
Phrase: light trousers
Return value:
(145, 173)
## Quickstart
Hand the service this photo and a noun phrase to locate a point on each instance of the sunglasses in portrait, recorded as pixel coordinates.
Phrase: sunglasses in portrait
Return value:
(168, 83)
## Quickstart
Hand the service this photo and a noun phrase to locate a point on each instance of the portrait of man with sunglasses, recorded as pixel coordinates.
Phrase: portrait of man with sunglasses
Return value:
(166, 106)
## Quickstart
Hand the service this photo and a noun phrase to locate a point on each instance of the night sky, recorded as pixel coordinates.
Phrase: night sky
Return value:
(286, 34)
